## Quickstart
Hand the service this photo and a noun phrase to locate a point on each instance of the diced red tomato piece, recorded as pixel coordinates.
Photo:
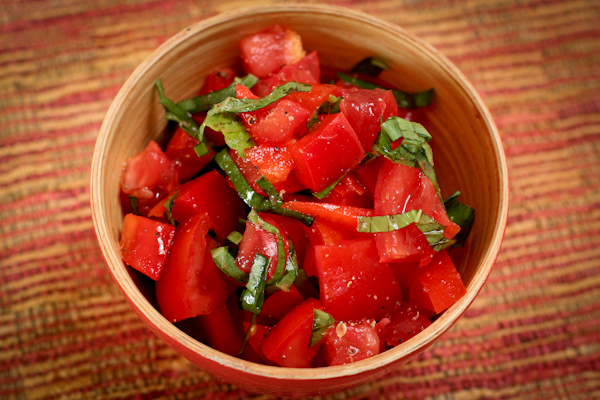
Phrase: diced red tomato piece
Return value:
(295, 231)
(365, 109)
(322, 232)
(217, 79)
(401, 188)
(368, 173)
(343, 216)
(404, 322)
(265, 52)
(257, 240)
(257, 337)
(145, 244)
(191, 284)
(216, 330)
(350, 191)
(288, 343)
(276, 125)
(274, 163)
(180, 151)
(143, 205)
(210, 193)
(411, 114)
(403, 245)
(249, 170)
(242, 92)
(278, 304)
(354, 285)
(317, 95)
(158, 211)
(306, 70)
(346, 343)
(148, 171)
(438, 285)
(327, 152)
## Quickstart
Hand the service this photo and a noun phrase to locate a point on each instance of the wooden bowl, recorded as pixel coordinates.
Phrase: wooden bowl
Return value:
(468, 155)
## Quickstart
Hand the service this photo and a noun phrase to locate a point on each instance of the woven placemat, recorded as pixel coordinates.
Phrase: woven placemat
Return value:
(534, 331)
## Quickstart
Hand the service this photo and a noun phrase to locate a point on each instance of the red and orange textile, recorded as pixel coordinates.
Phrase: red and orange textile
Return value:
(533, 332)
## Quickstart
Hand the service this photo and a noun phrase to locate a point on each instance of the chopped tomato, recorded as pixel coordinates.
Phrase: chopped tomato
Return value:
(276, 125)
(404, 244)
(317, 95)
(369, 171)
(365, 109)
(305, 71)
(274, 163)
(265, 52)
(288, 343)
(349, 342)
(180, 151)
(401, 188)
(278, 304)
(145, 244)
(403, 323)
(350, 191)
(295, 231)
(210, 193)
(191, 284)
(214, 138)
(327, 152)
(248, 169)
(257, 240)
(354, 285)
(216, 330)
(256, 337)
(344, 216)
(147, 172)
(217, 79)
(438, 285)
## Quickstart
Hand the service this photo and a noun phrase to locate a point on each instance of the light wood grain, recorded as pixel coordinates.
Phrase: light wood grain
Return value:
(468, 156)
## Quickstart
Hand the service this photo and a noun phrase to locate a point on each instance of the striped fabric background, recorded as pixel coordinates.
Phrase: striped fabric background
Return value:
(534, 331)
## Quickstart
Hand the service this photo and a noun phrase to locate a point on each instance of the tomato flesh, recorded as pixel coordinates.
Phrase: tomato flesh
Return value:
(217, 79)
(405, 322)
(347, 343)
(438, 285)
(145, 244)
(180, 151)
(265, 52)
(354, 285)
(327, 152)
(210, 193)
(288, 343)
(191, 284)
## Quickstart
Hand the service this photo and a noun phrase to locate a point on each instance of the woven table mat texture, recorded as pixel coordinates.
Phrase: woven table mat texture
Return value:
(66, 331)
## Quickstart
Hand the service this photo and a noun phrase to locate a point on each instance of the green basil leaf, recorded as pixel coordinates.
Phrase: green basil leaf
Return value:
(226, 263)
(206, 101)
(461, 214)
(133, 201)
(270, 190)
(323, 193)
(423, 99)
(433, 231)
(370, 66)
(168, 205)
(321, 322)
(245, 191)
(361, 83)
(177, 114)
(253, 296)
(235, 237)
(201, 149)
(305, 219)
(231, 126)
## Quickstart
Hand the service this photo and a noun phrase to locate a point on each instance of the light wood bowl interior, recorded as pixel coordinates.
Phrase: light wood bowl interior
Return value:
(468, 155)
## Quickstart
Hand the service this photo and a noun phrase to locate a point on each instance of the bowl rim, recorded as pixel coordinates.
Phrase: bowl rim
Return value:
(159, 324)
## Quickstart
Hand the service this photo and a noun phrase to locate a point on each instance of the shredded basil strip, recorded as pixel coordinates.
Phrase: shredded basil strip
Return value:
(235, 237)
(133, 201)
(403, 99)
(461, 214)
(201, 149)
(231, 126)
(249, 196)
(321, 322)
(290, 274)
(168, 205)
(433, 231)
(370, 66)
(323, 193)
(330, 106)
(206, 101)
(414, 150)
(255, 219)
(175, 113)
(253, 296)
(226, 263)
(247, 336)
(305, 286)
(270, 190)
(245, 191)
